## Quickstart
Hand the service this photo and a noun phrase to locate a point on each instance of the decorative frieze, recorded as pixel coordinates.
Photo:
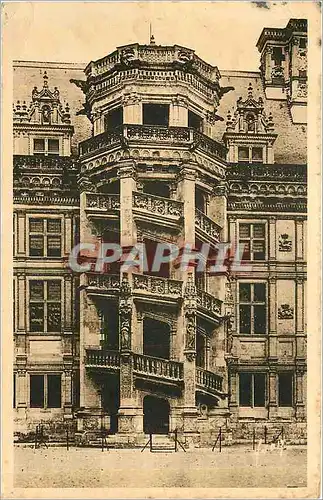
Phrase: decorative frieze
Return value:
(285, 311)
(103, 281)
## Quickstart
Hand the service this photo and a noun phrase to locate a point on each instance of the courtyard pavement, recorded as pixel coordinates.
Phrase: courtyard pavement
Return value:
(236, 466)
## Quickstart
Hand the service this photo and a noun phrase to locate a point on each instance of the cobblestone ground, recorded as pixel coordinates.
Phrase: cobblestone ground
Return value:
(234, 467)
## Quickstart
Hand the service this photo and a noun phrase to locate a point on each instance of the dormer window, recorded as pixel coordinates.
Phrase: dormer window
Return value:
(250, 155)
(156, 114)
(46, 147)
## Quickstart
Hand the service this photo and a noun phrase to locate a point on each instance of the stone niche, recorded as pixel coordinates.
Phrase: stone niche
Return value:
(286, 307)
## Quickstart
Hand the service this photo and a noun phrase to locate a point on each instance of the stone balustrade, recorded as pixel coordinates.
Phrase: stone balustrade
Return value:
(103, 282)
(157, 205)
(169, 135)
(209, 303)
(102, 201)
(207, 225)
(127, 135)
(297, 173)
(32, 199)
(208, 381)
(158, 367)
(98, 358)
(157, 286)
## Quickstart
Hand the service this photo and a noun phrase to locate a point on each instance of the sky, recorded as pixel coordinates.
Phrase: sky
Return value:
(222, 33)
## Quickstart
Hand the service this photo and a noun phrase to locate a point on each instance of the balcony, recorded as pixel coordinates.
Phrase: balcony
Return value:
(275, 172)
(147, 287)
(153, 287)
(126, 137)
(206, 228)
(151, 208)
(102, 206)
(149, 366)
(48, 163)
(209, 382)
(208, 305)
(107, 284)
(102, 359)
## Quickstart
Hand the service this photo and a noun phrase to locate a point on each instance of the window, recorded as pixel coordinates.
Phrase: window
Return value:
(302, 43)
(250, 154)
(45, 306)
(252, 308)
(252, 389)
(285, 389)
(252, 237)
(45, 237)
(114, 118)
(156, 114)
(278, 56)
(45, 391)
(195, 121)
(46, 147)
(200, 200)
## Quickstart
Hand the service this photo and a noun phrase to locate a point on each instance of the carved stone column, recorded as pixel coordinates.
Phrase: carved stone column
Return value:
(67, 391)
(189, 309)
(129, 415)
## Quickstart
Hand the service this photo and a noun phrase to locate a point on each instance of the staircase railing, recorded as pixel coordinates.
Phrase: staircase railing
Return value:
(159, 367)
(208, 380)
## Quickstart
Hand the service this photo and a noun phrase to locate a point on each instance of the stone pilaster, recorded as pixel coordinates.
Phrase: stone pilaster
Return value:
(272, 320)
(272, 394)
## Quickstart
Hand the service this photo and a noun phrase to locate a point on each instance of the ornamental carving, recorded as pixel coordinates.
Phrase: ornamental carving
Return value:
(125, 310)
(284, 243)
(158, 205)
(302, 90)
(277, 72)
(285, 311)
(190, 304)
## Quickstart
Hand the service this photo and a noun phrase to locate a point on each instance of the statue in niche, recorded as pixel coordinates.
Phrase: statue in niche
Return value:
(46, 114)
(251, 123)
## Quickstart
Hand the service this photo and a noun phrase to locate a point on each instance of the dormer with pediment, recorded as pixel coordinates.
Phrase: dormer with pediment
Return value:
(283, 66)
(44, 127)
(249, 134)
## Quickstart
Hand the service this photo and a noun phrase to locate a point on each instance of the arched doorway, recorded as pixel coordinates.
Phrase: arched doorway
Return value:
(156, 415)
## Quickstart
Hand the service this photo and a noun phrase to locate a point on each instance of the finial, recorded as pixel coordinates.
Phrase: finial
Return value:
(151, 36)
(45, 77)
(250, 90)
